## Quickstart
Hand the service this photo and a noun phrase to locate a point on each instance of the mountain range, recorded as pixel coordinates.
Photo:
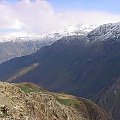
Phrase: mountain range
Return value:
(85, 65)
(20, 44)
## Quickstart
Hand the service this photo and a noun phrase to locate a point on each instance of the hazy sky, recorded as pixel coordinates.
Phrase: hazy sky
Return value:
(43, 16)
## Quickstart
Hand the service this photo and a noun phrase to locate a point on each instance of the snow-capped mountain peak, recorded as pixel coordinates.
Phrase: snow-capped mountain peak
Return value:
(76, 29)
(54, 35)
(111, 30)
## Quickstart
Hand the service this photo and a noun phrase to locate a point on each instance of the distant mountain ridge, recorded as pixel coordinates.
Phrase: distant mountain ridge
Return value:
(54, 35)
(17, 45)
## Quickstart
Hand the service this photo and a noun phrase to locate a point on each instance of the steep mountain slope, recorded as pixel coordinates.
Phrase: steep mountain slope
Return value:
(28, 101)
(79, 65)
(12, 47)
(9, 50)
(16, 45)
(110, 100)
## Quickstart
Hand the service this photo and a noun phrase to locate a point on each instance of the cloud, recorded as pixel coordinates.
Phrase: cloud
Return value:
(40, 16)
(7, 19)
(91, 17)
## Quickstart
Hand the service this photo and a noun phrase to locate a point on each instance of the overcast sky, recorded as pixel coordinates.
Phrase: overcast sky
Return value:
(41, 16)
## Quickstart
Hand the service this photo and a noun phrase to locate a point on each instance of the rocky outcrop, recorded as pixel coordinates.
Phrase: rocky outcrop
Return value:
(27, 101)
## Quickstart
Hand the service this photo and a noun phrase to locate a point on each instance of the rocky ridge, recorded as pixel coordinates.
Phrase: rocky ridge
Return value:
(27, 101)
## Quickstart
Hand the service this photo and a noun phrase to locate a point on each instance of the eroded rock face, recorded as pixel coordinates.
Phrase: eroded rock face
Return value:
(29, 102)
